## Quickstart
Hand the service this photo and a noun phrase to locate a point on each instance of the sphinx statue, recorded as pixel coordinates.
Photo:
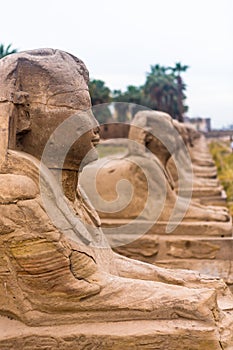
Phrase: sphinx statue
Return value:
(56, 267)
(201, 236)
(195, 138)
(152, 156)
(203, 164)
(201, 187)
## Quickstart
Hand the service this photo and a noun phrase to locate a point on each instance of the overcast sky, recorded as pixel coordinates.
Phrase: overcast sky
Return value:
(119, 40)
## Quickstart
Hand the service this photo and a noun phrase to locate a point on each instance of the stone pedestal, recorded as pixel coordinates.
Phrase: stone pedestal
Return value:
(131, 335)
(201, 248)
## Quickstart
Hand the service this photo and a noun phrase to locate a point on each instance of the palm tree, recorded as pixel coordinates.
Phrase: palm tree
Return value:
(177, 70)
(6, 51)
(158, 88)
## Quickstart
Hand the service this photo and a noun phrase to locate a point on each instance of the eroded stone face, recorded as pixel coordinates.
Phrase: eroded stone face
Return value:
(159, 135)
(47, 92)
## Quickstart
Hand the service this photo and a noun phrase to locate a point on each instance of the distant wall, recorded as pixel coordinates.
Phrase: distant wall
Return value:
(121, 130)
(114, 130)
(219, 133)
(201, 124)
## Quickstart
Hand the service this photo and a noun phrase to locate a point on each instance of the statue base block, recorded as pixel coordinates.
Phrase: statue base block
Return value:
(162, 334)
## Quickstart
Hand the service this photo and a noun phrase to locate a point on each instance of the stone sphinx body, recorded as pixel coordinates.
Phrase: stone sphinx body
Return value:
(196, 138)
(202, 163)
(201, 187)
(50, 273)
(154, 162)
(201, 239)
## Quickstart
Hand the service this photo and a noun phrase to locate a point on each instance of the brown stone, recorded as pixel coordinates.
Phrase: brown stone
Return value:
(150, 180)
(61, 285)
(201, 224)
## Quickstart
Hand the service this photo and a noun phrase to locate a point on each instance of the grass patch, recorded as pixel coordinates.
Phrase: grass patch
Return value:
(107, 150)
(223, 158)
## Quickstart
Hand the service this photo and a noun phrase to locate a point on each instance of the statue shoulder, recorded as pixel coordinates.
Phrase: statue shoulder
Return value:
(14, 187)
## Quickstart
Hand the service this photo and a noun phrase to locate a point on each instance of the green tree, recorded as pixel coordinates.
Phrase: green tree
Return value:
(4, 51)
(164, 90)
(99, 92)
(129, 102)
(177, 70)
(160, 89)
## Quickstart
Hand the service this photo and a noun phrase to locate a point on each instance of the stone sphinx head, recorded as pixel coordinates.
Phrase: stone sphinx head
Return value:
(182, 129)
(193, 134)
(155, 130)
(44, 88)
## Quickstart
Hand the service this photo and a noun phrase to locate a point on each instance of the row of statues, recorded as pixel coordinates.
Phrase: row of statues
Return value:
(165, 187)
(58, 273)
(160, 166)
